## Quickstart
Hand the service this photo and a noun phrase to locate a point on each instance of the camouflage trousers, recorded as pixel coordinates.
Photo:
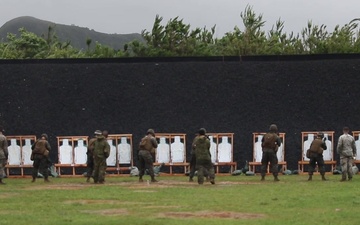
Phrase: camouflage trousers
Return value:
(89, 166)
(346, 167)
(269, 156)
(318, 159)
(2, 168)
(145, 162)
(40, 165)
(99, 169)
(192, 166)
(204, 169)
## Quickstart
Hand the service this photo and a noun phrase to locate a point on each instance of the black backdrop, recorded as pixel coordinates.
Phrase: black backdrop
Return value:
(180, 95)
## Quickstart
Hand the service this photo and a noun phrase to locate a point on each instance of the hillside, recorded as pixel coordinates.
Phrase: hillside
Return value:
(76, 35)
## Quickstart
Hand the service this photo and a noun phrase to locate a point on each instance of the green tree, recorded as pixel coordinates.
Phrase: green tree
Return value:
(174, 39)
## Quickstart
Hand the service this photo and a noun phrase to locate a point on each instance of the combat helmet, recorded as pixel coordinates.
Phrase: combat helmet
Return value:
(202, 131)
(150, 131)
(273, 127)
(320, 134)
(45, 136)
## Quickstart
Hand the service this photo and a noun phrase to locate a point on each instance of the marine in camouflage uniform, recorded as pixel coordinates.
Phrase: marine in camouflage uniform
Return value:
(90, 157)
(3, 155)
(316, 149)
(41, 157)
(101, 153)
(147, 147)
(270, 144)
(193, 163)
(201, 144)
(346, 148)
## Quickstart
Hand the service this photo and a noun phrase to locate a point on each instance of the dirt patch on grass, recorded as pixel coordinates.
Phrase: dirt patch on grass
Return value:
(209, 215)
(57, 187)
(107, 212)
(7, 195)
(137, 186)
(99, 201)
(185, 184)
(85, 202)
(161, 207)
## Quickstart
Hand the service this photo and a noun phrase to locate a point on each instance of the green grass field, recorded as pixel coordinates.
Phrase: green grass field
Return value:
(232, 200)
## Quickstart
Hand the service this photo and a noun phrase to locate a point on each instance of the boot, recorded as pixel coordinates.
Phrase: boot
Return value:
(310, 178)
(33, 180)
(46, 179)
(141, 180)
(343, 178)
(153, 179)
(276, 178)
(350, 178)
(191, 179)
(1, 182)
(88, 179)
(323, 177)
(212, 180)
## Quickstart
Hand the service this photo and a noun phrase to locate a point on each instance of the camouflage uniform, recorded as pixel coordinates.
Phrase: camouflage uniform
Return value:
(40, 158)
(90, 159)
(3, 155)
(147, 146)
(101, 153)
(316, 156)
(270, 143)
(203, 158)
(346, 148)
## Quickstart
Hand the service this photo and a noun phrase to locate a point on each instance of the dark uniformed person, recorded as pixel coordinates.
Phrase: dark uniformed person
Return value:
(90, 157)
(147, 147)
(105, 133)
(101, 153)
(270, 144)
(3, 154)
(40, 153)
(201, 144)
(316, 149)
(192, 160)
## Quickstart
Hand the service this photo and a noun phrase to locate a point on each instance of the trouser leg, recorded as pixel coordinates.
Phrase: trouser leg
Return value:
(44, 168)
(200, 174)
(141, 167)
(264, 164)
(102, 171)
(350, 163)
(192, 167)
(35, 169)
(96, 171)
(312, 164)
(344, 168)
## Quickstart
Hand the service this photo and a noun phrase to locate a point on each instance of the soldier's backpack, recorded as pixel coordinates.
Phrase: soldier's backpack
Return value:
(269, 141)
(145, 144)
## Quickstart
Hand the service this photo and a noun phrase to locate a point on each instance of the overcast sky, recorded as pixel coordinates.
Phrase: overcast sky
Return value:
(132, 16)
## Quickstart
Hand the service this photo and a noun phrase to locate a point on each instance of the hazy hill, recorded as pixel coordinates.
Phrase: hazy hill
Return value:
(76, 35)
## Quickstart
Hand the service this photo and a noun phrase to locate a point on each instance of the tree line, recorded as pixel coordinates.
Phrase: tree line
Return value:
(176, 38)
